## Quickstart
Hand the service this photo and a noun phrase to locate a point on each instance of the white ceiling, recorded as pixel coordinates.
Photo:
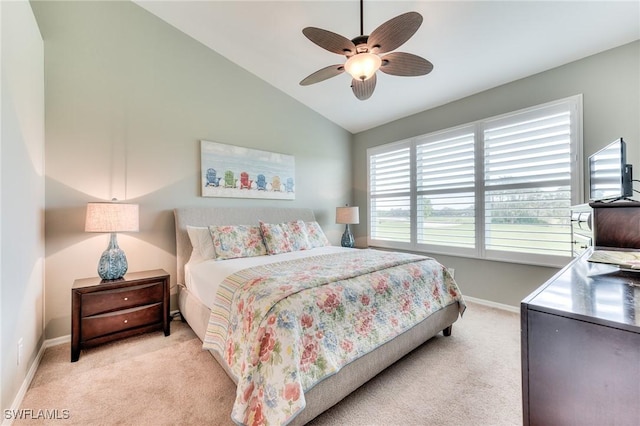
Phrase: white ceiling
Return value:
(474, 45)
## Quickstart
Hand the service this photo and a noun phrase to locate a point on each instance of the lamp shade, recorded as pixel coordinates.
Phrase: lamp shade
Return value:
(111, 217)
(348, 215)
(363, 66)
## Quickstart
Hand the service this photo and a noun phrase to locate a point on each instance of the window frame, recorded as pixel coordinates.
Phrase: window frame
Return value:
(574, 106)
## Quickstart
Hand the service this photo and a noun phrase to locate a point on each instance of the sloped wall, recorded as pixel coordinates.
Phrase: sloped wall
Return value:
(128, 99)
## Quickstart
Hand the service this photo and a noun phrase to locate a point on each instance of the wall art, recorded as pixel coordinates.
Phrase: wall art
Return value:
(238, 172)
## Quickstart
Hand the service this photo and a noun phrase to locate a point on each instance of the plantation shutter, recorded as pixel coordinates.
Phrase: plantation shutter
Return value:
(527, 181)
(389, 192)
(500, 188)
(445, 182)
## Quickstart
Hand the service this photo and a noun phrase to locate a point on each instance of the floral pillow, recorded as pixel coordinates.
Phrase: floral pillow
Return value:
(298, 235)
(276, 237)
(285, 237)
(315, 235)
(233, 241)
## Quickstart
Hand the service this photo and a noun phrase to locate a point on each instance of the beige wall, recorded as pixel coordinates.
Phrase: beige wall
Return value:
(610, 85)
(128, 98)
(21, 196)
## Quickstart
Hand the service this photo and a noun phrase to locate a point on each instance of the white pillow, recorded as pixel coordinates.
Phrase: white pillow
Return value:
(201, 242)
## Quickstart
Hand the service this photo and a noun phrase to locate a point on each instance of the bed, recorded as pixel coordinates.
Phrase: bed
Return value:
(309, 390)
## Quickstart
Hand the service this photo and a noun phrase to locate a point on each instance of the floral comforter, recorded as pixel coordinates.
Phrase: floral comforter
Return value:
(285, 326)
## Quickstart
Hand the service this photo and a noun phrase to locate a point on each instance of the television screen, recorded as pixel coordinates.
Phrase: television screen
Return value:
(609, 173)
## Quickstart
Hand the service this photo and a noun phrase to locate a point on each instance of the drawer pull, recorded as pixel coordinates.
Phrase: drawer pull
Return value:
(126, 298)
(126, 321)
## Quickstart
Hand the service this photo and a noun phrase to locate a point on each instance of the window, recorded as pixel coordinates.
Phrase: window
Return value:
(389, 191)
(500, 188)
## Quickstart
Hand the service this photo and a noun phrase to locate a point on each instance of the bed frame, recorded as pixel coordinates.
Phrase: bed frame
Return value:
(334, 388)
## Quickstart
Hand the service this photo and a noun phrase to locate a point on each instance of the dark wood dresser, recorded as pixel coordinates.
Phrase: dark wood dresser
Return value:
(103, 311)
(581, 334)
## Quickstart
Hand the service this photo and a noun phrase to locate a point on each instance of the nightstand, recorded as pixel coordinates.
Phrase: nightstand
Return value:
(106, 310)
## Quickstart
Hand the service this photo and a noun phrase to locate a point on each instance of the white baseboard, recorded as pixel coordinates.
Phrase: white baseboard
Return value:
(17, 402)
(514, 309)
(25, 385)
(57, 341)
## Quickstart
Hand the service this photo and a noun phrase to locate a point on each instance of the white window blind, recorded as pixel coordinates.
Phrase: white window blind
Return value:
(389, 191)
(527, 178)
(445, 180)
(499, 188)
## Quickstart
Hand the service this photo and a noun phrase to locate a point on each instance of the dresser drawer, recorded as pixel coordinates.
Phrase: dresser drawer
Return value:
(112, 322)
(112, 300)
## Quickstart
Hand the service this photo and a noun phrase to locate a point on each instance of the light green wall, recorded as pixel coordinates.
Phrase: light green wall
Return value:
(128, 98)
(610, 85)
(21, 196)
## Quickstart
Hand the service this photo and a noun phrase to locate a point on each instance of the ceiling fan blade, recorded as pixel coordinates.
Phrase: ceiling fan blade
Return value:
(405, 64)
(330, 41)
(363, 89)
(323, 74)
(395, 32)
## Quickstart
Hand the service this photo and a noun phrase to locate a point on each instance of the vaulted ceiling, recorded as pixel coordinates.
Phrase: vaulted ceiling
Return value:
(474, 45)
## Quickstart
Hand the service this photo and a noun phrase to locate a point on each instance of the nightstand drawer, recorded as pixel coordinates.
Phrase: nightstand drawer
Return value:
(103, 310)
(100, 325)
(112, 300)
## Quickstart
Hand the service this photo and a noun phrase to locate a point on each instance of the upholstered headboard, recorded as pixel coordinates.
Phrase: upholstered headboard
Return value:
(205, 216)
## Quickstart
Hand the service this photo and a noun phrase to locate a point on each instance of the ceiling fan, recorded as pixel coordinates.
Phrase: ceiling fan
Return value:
(363, 53)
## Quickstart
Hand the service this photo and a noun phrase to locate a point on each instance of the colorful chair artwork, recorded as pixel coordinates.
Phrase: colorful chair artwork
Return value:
(245, 182)
(261, 183)
(289, 185)
(212, 179)
(275, 184)
(229, 179)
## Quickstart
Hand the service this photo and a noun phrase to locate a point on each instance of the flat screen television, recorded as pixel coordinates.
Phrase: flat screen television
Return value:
(610, 177)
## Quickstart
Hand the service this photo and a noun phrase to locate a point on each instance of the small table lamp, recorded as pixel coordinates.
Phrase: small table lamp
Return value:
(347, 216)
(112, 217)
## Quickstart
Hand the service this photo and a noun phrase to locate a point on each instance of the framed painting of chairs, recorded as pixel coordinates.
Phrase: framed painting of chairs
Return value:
(239, 172)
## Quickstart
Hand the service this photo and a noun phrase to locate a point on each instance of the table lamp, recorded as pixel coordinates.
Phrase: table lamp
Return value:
(112, 217)
(347, 216)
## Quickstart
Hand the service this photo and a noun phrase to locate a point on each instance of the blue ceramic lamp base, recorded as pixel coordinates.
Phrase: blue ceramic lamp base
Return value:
(347, 238)
(113, 262)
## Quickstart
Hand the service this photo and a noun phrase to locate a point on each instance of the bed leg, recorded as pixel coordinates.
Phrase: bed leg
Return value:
(447, 331)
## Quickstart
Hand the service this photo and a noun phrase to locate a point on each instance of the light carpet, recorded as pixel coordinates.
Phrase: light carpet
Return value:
(469, 378)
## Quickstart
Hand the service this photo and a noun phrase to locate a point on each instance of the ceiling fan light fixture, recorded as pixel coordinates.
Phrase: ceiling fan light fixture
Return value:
(363, 66)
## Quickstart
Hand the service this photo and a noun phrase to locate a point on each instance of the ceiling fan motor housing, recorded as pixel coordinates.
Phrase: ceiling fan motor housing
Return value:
(361, 42)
